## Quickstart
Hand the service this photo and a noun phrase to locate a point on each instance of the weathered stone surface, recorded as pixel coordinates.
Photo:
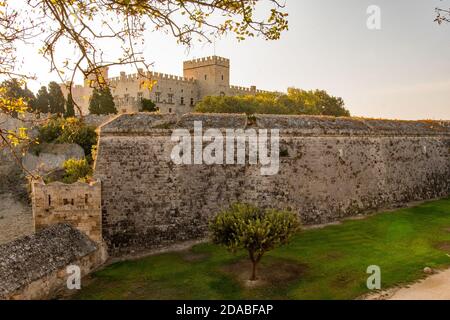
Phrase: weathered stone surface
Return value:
(351, 126)
(78, 204)
(51, 157)
(96, 120)
(330, 169)
(15, 207)
(219, 121)
(33, 267)
(16, 219)
(25, 120)
(138, 123)
(312, 124)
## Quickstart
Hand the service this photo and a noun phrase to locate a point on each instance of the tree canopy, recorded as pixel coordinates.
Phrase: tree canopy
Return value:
(71, 130)
(50, 100)
(56, 99)
(15, 89)
(42, 103)
(253, 229)
(70, 106)
(102, 101)
(148, 105)
(295, 102)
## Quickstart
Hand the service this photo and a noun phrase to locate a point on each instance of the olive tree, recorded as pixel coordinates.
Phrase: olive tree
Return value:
(253, 229)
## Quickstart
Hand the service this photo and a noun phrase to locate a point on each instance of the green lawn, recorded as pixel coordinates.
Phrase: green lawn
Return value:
(328, 263)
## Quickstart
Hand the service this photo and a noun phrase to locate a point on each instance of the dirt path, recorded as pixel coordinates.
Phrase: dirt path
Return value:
(15, 218)
(434, 287)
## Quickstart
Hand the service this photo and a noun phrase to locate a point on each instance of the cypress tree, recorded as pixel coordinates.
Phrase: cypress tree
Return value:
(94, 102)
(41, 103)
(56, 99)
(70, 109)
(102, 102)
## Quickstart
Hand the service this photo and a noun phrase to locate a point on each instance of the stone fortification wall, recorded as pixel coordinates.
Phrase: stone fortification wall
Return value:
(331, 168)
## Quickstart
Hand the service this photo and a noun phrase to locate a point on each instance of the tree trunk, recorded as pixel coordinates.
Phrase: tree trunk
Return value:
(253, 278)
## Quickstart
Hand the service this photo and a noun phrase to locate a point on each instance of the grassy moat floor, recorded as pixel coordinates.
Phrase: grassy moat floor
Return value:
(328, 263)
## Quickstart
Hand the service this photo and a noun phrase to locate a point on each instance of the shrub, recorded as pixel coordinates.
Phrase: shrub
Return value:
(255, 230)
(75, 131)
(35, 148)
(70, 130)
(50, 131)
(76, 170)
(94, 153)
(148, 105)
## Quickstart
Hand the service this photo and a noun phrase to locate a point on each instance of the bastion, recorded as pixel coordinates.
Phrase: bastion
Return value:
(330, 169)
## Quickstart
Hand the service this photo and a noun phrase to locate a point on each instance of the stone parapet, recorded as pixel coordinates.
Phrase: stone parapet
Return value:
(78, 204)
(330, 169)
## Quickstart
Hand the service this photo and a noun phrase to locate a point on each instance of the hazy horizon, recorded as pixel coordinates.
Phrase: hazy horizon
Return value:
(401, 71)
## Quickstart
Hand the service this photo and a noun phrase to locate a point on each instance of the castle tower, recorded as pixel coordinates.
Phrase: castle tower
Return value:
(211, 73)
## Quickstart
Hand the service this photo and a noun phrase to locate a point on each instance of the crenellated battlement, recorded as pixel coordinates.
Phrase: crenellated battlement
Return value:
(244, 89)
(206, 61)
(148, 75)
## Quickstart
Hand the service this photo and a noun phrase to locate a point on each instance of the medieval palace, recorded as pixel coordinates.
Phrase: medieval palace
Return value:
(202, 77)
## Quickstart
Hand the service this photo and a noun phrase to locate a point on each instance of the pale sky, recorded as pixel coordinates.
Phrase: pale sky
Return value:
(401, 71)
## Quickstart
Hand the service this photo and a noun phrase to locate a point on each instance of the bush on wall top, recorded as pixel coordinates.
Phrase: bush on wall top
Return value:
(70, 130)
(76, 170)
